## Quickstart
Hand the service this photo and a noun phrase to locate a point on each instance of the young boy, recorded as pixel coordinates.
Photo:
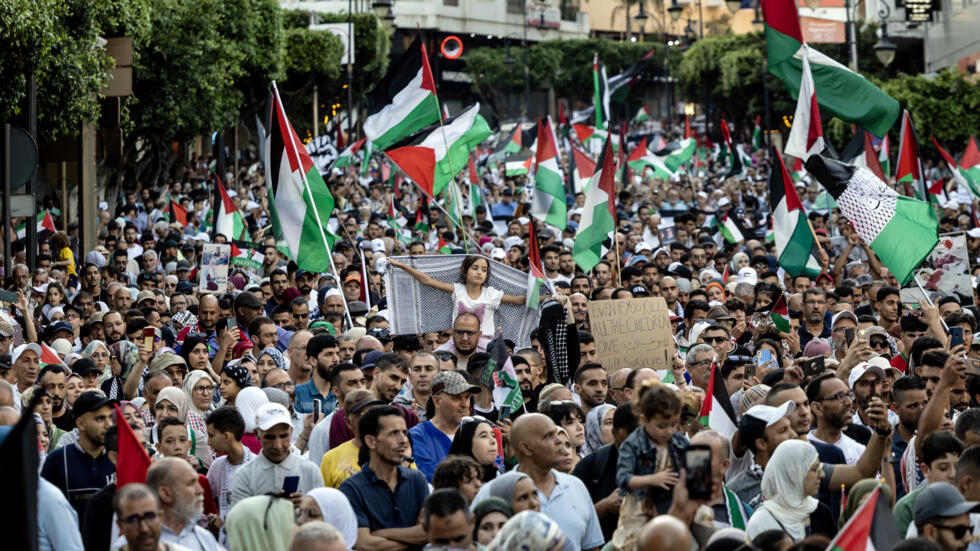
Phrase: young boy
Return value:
(174, 442)
(225, 429)
(940, 452)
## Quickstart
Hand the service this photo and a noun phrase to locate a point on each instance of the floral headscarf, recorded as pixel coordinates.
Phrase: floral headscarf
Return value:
(275, 355)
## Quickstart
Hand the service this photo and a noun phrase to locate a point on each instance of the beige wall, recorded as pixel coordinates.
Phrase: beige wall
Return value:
(609, 16)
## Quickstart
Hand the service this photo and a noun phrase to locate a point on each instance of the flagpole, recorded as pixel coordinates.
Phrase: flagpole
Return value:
(918, 283)
(309, 194)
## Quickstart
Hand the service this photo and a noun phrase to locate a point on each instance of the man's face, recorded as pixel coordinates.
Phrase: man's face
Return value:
(139, 522)
(581, 285)
(550, 261)
(430, 341)
(173, 441)
(699, 257)
(800, 284)
(566, 264)
(207, 311)
(735, 379)
(544, 443)
(94, 424)
(588, 352)
(466, 334)
(56, 386)
(835, 403)
(700, 370)
(454, 531)
(275, 442)
(178, 303)
(779, 432)
(423, 368)
(326, 359)
(593, 387)
(391, 443)
(888, 308)
(114, 326)
(601, 272)
(350, 380)
(302, 314)
(909, 405)
(352, 291)
(279, 283)
(668, 289)
(347, 350)
(799, 419)
(580, 307)
(26, 368)
(866, 387)
(92, 276)
(388, 384)
(718, 340)
(451, 407)
(305, 283)
(523, 373)
(120, 262)
(123, 299)
(334, 303)
(943, 531)
(930, 374)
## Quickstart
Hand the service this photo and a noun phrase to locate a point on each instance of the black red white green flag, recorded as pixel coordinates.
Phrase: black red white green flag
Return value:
(717, 412)
(871, 528)
(909, 169)
(792, 235)
(806, 134)
(599, 212)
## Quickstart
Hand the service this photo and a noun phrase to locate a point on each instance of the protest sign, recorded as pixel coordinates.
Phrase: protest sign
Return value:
(946, 271)
(214, 268)
(632, 333)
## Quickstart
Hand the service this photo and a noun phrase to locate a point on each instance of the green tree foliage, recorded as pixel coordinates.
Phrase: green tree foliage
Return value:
(947, 106)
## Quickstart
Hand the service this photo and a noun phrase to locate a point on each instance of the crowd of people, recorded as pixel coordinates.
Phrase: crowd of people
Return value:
(283, 414)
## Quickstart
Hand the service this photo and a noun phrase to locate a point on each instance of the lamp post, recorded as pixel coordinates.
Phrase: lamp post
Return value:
(641, 19)
(884, 48)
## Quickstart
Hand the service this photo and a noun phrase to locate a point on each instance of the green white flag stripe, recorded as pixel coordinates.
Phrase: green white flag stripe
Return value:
(412, 109)
(549, 194)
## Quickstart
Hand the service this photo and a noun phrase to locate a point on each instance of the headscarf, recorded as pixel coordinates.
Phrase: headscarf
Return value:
(255, 525)
(248, 402)
(190, 342)
(528, 531)
(719, 286)
(176, 397)
(858, 491)
(593, 427)
(782, 486)
(490, 505)
(190, 381)
(503, 486)
(736, 257)
(463, 445)
(274, 354)
(337, 512)
(92, 345)
(127, 354)
(238, 373)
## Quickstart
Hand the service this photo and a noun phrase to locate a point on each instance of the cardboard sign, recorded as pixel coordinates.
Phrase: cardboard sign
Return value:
(947, 269)
(214, 268)
(632, 333)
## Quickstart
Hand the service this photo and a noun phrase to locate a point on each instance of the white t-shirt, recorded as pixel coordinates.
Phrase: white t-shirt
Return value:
(484, 307)
(851, 448)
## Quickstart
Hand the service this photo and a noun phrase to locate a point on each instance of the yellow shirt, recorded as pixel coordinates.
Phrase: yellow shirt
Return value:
(339, 464)
(66, 254)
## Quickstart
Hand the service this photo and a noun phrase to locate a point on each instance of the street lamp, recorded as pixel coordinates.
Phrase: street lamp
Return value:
(733, 5)
(641, 19)
(675, 11)
(381, 8)
(813, 4)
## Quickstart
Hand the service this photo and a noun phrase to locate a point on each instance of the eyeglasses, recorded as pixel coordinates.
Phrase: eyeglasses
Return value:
(204, 389)
(878, 343)
(464, 333)
(284, 385)
(702, 363)
(958, 530)
(840, 396)
(715, 340)
(135, 520)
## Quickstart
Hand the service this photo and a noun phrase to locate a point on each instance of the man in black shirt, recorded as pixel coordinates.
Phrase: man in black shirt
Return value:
(53, 379)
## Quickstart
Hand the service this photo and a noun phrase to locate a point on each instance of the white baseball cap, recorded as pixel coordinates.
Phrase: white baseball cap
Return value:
(860, 370)
(771, 414)
(32, 346)
(748, 275)
(272, 414)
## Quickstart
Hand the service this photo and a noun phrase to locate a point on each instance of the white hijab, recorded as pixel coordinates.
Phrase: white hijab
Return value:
(337, 512)
(782, 486)
(248, 401)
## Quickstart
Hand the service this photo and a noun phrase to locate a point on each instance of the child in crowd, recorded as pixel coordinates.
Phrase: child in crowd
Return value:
(225, 429)
(174, 442)
(940, 452)
(649, 460)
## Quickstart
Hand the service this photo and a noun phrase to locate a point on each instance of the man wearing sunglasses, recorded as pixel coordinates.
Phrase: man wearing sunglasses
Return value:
(942, 515)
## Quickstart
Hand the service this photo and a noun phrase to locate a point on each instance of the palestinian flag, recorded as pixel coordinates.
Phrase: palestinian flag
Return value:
(585, 133)
(397, 223)
(757, 133)
(422, 215)
(676, 154)
(736, 169)
(598, 214)
(841, 92)
(499, 375)
(582, 170)
(909, 170)
(548, 203)
(530, 137)
(806, 134)
(970, 162)
(133, 460)
(518, 164)
(601, 92)
(404, 101)
(178, 214)
(365, 296)
(884, 154)
(433, 157)
(641, 159)
(872, 527)
(299, 202)
(228, 220)
(797, 173)
(476, 190)
(730, 227)
(900, 230)
(443, 247)
(49, 356)
(246, 255)
(959, 175)
(717, 412)
(792, 234)
(779, 314)
(860, 152)
(621, 84)
(641, 116)
(350, 155)
(45, 223)
(509, 147)
(535, 275)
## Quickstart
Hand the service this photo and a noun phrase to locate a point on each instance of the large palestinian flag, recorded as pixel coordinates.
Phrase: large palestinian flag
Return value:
(404, 101)
(793, 236)
(717, 412)
(299, 201)
(860, 152)
(548, 204)
(509, 147)
(900, 230)
(599, 213)
(432, 157)
(909, 169)
(581, 170)
(641, 159)
(840, 91)
(228, 220)
(871, 528)
(621, 84)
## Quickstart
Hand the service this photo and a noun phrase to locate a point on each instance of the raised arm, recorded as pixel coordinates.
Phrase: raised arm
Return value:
(424, 278)
(932, 416)
(870, 461)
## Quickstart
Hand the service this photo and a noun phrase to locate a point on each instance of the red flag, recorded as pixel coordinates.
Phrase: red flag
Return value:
(133, 460)
(474, 176)
(340, 138)
(871, 158)
(687, 127)
(533, 254)
(561, 114)
(971, 157)
(178, 213)
(49, 356)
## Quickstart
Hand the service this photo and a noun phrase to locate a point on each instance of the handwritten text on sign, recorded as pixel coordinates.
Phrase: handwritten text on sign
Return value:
(632, 333)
